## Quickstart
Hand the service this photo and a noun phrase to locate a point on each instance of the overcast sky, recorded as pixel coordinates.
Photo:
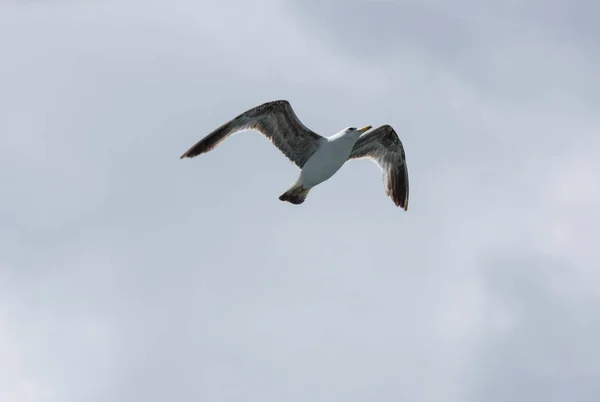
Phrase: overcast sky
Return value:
(127, 274)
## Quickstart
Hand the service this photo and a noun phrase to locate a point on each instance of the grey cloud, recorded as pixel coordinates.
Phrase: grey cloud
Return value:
(513, 49)
(126, 273)
(545, 351)
(447, 30)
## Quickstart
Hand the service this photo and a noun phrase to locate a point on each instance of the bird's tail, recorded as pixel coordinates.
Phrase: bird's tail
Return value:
(295, 194)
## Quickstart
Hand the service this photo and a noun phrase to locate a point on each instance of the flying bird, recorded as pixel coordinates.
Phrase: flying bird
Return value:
(318, 158)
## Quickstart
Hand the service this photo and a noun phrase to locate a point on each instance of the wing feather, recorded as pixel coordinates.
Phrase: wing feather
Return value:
(277, 121)
(383, 147)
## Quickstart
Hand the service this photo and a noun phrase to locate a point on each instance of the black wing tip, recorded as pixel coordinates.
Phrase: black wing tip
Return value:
(190, 153)
(193, 152)
(401, 202)
(398, 187)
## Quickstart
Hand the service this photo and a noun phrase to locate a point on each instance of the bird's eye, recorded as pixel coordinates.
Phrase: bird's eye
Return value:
(352, 129)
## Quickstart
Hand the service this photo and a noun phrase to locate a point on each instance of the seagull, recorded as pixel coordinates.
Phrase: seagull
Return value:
(317, 157)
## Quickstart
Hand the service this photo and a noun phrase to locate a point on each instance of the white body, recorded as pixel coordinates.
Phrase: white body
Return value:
(328, 158)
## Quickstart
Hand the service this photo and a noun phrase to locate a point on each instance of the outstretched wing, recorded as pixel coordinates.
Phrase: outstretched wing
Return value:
(277, 121)
(383, 147)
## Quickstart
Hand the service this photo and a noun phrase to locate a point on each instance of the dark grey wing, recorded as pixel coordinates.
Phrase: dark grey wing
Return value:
(383, 147)
(277, 121)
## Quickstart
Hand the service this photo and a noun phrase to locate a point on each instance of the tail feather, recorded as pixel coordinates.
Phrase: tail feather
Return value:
(295, 194)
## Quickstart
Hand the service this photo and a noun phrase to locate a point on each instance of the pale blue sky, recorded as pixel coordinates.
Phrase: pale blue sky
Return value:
(127, 274)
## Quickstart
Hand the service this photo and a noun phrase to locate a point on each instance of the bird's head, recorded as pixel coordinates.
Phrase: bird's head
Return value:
(356, 132)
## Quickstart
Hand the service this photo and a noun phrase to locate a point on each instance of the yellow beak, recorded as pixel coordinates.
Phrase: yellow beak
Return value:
(362, 130)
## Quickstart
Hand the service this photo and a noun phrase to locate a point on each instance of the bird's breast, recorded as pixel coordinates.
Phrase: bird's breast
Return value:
(325, 162)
